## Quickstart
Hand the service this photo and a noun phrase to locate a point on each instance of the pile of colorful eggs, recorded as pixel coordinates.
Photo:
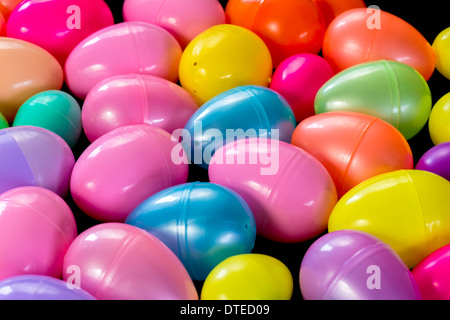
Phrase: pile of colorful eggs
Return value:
(150, 149)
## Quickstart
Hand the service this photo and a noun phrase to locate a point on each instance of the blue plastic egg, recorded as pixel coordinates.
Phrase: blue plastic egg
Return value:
(244, 111)
(201, 222)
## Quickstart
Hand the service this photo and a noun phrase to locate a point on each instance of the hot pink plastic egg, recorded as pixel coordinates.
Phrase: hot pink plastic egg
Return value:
(127, 47)
(36, 228)
(135, 99)
(66, 23)
(122, 262)
(183, 19)
(124, 167)
(432, 275)
(289, 192)
(298, 79)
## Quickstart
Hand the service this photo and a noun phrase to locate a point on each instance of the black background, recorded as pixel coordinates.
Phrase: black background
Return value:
(429, 18)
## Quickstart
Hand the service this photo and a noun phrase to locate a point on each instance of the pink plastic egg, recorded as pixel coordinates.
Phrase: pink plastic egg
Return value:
(432, 275)
(289, 192)
(127, 47)
(298, 79)
(66, 23)
(36, 228)
(183, 19)
(122, 262)
(124, 167)
(135, 99)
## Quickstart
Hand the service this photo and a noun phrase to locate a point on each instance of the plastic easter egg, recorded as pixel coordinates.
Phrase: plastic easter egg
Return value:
(3, 122)
(40, 288)
(68, 22)
(290, 193)
(389, 90)
(53, 110)
(441, 47)
(138, 47)
(431, 275)
(407, 209)
(288, 27)
(183, 19)
(439, 120)
(298, 79)
(330, 9)
(354, 265)
(2, 26)
(353, 146)
(362, 35)
(122, 168)
(123, 262)
(249, 277)
(7, 6)
(226, 220)
(135, 99)
(33, 156)
(36, 228)
(27, 70)
(245, 111)
(436, 160)
(244, 60)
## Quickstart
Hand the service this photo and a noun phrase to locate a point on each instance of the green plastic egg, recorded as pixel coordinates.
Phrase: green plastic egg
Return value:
(53, 110)
(3, 122)
(389, 90)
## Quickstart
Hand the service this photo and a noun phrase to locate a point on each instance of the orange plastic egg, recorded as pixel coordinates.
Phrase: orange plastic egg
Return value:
(363, 35)
(332, 8)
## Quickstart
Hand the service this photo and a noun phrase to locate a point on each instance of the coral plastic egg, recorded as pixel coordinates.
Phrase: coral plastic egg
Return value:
(330, 9)
(124, 167)
(407, 209)
(389, 90)
(7, 6)
(27, 70)
(221, 58)
(183, 19)
(288, 27)
(436, 160)
(290, 193)
(68, 23)
(122, 262)
(2, 26)
(39, 287)
(53, 110)
(432, 276)
(354, 265)
(138, 47)
(361, 35)
(135, 99)
(439, 121)
(249, 277)
(353, 146)
(441, 46)
(227, 224)
(36, 228)
(298, 79)
(33, 156)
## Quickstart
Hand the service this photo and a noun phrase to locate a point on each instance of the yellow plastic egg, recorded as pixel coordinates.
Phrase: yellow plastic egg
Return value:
(407, 209)
(441, 47)
(439, 121)
(249, 277)
(221, 58)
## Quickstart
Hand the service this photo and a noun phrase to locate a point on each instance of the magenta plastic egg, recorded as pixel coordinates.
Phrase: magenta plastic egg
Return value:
(298, 79)
(58, 26)
(127, 47)
(432, 275)
(183, 19)
(122, 262)
(36, 228)
(290, 193)
(135, 99)
(436, 160)
(124, 167)
(353, 265)
(33, 156)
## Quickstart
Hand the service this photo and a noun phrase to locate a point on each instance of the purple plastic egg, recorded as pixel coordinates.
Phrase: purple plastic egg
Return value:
(436, 160)
(352, 265)
(32, 156)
